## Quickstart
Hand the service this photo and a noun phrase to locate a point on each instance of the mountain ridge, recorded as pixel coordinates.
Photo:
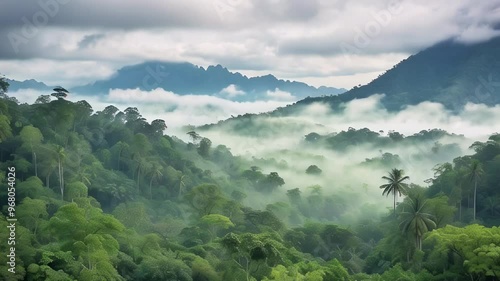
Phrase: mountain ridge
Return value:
(185, 78)
(15, 85)
(449, 73)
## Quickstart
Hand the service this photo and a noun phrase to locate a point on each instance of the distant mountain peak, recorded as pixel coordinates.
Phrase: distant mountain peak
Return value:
(185, 78)
(449, 72)
(15, 85)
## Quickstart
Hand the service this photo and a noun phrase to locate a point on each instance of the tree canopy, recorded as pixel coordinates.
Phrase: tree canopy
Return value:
(107, 195)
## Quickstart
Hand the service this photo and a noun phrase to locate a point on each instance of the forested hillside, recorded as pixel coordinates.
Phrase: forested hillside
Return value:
(450, 73)
(107, 195)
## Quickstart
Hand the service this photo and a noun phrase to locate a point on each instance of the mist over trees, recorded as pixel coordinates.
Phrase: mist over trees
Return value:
(108, 195)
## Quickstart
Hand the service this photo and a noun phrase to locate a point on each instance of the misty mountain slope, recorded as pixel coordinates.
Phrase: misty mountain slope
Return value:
(186, 78)
(449, 73)
(15, 85)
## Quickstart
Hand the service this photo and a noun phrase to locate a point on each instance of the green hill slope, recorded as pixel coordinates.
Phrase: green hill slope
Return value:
(449, 73)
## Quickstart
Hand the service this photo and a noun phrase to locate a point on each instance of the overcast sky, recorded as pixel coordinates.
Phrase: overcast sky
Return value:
(336, 43)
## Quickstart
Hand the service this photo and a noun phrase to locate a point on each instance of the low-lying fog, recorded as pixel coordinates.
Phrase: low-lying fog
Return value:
(341, 170)
(284, 142)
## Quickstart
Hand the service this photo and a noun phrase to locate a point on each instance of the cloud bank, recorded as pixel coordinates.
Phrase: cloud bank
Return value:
(280, 140)
(177, 110)
(334, 43)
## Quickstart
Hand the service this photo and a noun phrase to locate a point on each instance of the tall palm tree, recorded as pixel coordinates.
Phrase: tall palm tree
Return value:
(474, 174)
(140, 165)
(155, 173)
(121, 146)
(84, 175)
(415, 220)
(395, 184)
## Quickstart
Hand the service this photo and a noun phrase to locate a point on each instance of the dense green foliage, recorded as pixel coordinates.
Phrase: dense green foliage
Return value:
(108, 196)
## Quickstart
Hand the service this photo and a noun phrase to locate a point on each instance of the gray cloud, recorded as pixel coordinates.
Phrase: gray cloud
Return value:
(110, 14)
(409, 27)
(90, 40)
(319, 40)
(286, 10)
(13, 45)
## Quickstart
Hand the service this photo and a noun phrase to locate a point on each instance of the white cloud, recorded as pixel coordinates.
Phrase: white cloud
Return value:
(281, 139)
(177, 110)
(182, 110)
(278, 94)
(231, 91)
(477, 33)
(53, 72)
(475, 121)
(26, 95)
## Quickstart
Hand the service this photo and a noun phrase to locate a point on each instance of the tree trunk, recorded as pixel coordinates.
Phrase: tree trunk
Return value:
(119, 158)
(61, 180)
(460, 210)
(150, 183)
(138, 178)
(475, 191)
(34, 161)
(394, 203)
(181, 183)
(248, 269)
(118, 162)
